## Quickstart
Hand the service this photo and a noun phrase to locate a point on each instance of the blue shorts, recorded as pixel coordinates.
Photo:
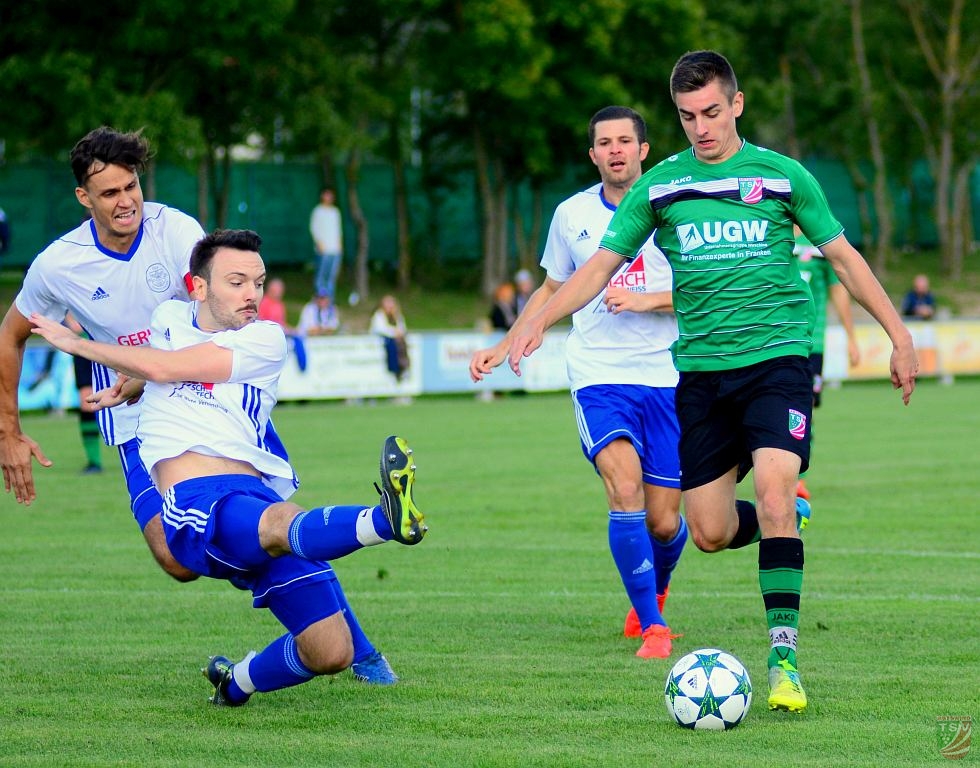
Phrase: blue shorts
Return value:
(726, 415)
(143, 497)
(212, 528)
(643, 415)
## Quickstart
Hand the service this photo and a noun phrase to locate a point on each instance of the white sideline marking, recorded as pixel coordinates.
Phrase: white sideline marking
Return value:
(817, 550)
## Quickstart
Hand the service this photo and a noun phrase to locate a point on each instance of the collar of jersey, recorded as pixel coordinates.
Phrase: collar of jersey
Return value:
(115, 254)
(602, 197)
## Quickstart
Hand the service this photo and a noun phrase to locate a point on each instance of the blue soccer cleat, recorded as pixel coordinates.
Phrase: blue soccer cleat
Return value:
(374, 670)
(803, 512)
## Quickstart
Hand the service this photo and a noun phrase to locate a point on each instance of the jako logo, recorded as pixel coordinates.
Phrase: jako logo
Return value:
(694, 236)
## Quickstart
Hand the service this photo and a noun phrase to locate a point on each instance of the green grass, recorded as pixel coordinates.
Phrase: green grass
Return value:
(505, 624)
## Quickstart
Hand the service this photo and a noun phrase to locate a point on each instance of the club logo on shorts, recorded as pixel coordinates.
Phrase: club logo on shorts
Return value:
(750, 190)
(797, 424)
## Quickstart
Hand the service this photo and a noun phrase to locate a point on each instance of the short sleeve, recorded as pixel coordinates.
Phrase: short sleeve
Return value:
(632, 224)
(259, 352)
(556, 259)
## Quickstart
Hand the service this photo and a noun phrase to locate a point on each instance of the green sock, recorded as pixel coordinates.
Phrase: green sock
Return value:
(781, 581)
(92, 442)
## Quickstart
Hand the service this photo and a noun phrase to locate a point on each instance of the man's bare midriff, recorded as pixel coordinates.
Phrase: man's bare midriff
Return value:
(187, 466)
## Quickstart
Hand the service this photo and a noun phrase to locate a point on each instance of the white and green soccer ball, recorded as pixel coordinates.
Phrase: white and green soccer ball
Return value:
(708, 689)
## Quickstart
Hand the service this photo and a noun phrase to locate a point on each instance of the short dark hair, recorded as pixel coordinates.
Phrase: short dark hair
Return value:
(695, 69)
(619, 113)
(110, 147)
(205, 248)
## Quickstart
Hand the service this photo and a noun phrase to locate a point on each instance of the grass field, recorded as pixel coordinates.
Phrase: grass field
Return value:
(505, 624)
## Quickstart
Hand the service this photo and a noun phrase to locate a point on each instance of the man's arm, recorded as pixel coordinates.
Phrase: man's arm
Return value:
(579, 290)
(860, 282)
(841, 300)
(16, 448)
(619, 299)
(201, 362)
(485, 360)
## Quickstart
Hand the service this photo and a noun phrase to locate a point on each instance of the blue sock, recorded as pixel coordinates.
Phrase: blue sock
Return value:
(277, 666)
(362, 646)
(328, 533)
(632, 552)
(667, 553)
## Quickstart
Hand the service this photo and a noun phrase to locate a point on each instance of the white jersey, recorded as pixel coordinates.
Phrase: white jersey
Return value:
(113, 294)
(603, 348)
(227, 419)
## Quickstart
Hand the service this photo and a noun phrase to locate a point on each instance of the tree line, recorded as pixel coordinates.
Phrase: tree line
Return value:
(501, 88)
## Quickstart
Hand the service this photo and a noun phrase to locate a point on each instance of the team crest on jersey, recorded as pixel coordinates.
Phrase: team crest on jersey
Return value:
(750, 190)
(797, 424)
(157, 278)
(633, 278)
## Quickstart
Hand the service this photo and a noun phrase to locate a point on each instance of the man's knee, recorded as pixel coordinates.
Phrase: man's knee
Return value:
(711, 530)
(707, 541)
(663, 512)
(274, 527)
(326, 647)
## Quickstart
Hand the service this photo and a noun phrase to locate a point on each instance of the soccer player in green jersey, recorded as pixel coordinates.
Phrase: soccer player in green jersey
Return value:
(724, 212)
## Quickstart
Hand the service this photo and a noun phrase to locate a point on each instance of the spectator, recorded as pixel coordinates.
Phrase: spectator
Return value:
(326, 228)
(525, 287)
(504, 312)
(387, 322)
(273, 308)
(919, 302)
(319, 317)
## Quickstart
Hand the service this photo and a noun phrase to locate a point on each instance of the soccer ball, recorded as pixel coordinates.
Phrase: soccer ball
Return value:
(708, 689)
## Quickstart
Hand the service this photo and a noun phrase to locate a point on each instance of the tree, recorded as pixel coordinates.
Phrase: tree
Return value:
(948, 38)
(866, 98)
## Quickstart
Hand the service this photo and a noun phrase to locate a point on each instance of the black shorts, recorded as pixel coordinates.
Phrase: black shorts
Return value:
(83, 372)
(725, 415)
(816, 375)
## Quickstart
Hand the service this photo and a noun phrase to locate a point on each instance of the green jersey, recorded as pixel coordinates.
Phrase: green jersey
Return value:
(820, 276)
(727, 231)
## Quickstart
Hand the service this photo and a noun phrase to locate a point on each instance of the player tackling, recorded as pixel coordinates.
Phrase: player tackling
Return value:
(212, 373)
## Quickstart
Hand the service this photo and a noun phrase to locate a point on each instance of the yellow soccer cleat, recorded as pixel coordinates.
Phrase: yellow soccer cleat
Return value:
(397, 481)
(785, 689)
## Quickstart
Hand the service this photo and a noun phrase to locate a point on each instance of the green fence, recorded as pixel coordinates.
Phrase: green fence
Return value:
(275, 199)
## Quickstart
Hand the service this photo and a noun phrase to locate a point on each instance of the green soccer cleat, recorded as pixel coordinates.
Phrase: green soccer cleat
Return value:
(785, 689)
(218, 672)
(397, 479)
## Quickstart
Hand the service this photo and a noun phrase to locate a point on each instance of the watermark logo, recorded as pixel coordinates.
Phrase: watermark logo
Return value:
(954, 732)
